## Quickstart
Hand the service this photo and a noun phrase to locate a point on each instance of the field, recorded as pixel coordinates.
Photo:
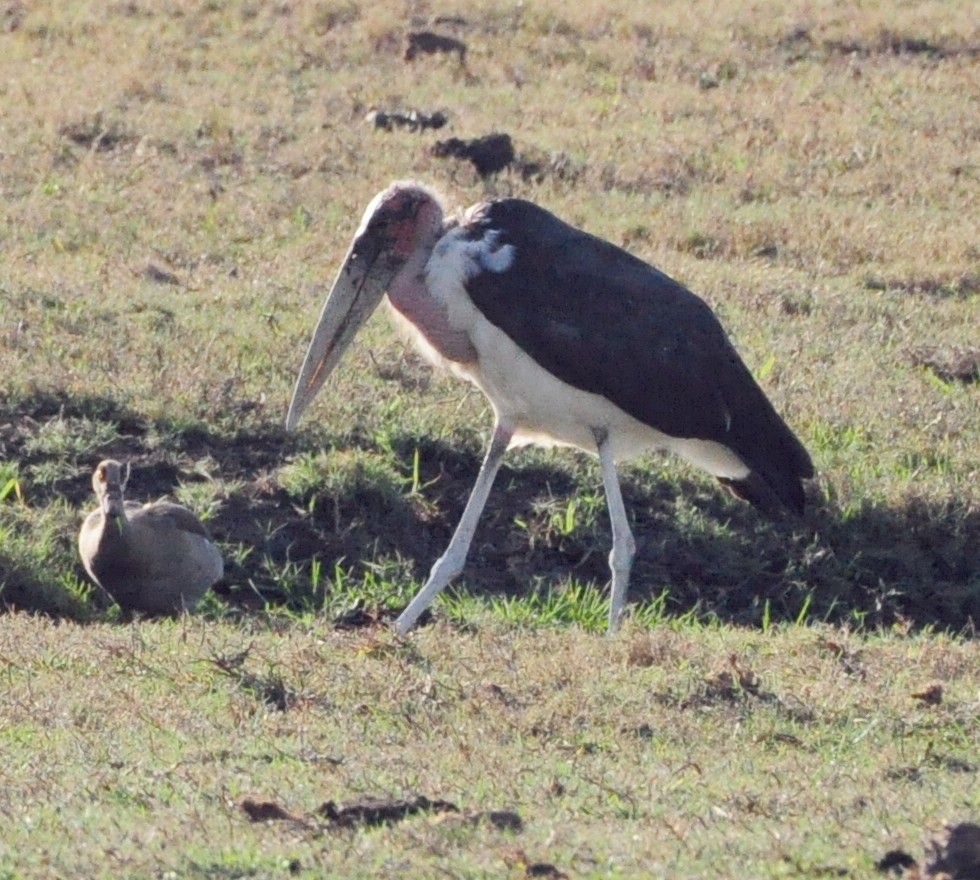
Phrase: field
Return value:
(795, 699)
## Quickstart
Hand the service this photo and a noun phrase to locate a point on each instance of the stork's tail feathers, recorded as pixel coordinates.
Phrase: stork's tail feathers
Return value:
(760, 494)
(775, 482)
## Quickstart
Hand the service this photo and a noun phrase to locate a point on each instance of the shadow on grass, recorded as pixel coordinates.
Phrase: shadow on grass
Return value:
(915, 564)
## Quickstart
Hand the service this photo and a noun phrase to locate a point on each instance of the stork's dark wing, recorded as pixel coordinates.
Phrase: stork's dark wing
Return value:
(604, 321)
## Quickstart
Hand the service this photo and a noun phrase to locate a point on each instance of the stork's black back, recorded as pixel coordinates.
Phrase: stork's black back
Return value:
(604, 321)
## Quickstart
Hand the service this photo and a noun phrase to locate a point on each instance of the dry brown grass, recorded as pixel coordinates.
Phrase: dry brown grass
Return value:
(200, 751)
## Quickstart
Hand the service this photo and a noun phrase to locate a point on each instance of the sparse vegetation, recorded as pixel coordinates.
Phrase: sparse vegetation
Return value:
(179, 182)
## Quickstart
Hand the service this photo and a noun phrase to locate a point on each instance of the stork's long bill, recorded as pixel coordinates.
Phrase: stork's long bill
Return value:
(355, 294)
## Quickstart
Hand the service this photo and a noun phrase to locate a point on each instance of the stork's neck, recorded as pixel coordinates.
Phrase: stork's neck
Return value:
(425, 231)
(411, 297)
(412, 271)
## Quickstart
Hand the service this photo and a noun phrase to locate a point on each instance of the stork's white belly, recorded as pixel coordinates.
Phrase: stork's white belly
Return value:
(538, 406)
(547, 411)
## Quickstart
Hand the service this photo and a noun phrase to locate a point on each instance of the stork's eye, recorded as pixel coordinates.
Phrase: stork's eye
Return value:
(402, 207)
(402, 211)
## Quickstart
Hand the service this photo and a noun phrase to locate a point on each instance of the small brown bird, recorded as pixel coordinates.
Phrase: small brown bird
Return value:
(153, 558)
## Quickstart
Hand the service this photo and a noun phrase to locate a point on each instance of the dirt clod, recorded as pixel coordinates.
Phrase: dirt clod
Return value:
(488, 154)
(958, 854)
(375, 811)
(266, 811)
(931, 695)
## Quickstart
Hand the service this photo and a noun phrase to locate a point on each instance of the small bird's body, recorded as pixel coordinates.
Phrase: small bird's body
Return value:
(152, 559)
(573, 340)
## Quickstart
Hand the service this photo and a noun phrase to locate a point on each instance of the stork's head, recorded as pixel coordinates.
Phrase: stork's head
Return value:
(109, 482)
(398, 230)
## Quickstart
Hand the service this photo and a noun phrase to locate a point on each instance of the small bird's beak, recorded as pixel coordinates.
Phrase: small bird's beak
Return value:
(361, 283)
(109, 486)
(111, 503)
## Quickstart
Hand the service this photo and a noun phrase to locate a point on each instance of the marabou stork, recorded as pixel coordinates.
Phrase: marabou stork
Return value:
(152, 559)
(573, 340)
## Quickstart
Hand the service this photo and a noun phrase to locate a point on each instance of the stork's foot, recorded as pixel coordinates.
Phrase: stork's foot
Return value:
(624, 545)
(621, 563)
(616, 618)
(446, 569)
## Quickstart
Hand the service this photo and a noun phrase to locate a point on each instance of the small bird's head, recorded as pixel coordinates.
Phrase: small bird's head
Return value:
(109, 482)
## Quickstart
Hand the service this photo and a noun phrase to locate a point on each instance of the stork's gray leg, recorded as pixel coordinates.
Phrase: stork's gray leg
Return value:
(623, 544)
(450, 564)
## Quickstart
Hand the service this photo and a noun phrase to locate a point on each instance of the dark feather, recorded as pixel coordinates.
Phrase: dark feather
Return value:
(604, 321)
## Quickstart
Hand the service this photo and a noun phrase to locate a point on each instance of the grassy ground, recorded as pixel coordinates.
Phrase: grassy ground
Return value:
(191, 750)
(178, 184)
